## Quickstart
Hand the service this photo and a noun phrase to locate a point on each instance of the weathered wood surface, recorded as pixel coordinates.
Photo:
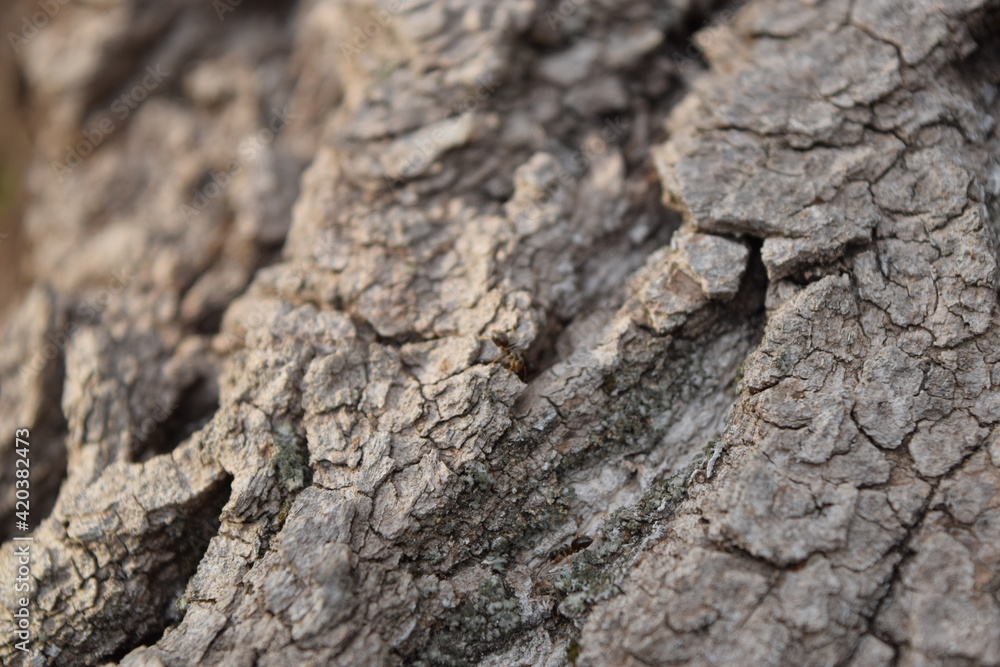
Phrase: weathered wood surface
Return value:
(753, 271)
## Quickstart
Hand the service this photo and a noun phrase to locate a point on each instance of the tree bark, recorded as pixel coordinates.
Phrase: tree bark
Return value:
(288, 259)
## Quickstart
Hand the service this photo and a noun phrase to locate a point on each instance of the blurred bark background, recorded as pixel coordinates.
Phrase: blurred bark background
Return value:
(285, 259)
(16, 151)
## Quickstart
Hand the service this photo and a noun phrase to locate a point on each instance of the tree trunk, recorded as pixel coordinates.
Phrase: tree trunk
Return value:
(508, 333)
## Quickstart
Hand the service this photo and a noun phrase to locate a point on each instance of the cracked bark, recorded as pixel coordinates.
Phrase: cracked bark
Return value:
(284, 441)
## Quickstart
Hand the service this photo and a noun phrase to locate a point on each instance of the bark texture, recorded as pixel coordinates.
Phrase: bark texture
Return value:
(752, 268)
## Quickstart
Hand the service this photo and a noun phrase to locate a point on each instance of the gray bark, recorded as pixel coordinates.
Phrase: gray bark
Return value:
(752, 270)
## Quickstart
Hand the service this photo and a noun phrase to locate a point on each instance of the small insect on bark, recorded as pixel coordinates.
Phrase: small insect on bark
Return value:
(510, 354)
(555, 556)
(578, 544)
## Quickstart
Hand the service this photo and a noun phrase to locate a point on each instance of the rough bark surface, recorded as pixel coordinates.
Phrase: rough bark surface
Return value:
(755, 289)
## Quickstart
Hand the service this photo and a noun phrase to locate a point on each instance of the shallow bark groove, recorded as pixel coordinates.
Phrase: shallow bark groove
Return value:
(771, 403)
